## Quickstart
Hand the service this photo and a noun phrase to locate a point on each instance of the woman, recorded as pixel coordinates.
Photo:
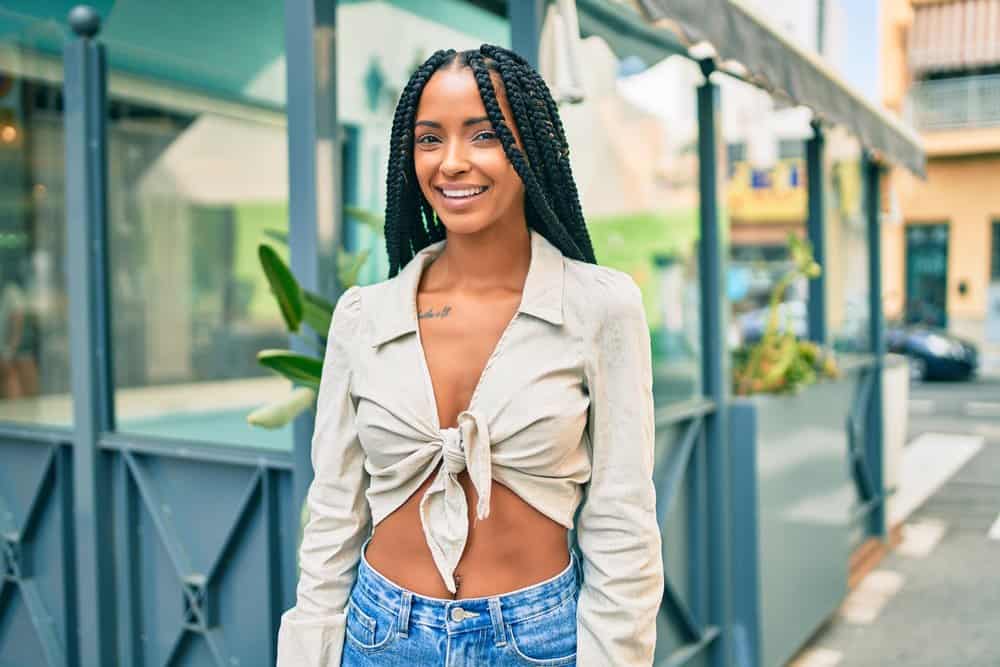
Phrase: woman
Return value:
(492, 394)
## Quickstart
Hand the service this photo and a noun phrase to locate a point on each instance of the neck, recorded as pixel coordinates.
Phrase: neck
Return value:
(496, 256)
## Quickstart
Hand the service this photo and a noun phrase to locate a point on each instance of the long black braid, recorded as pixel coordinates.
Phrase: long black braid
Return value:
(552, 204)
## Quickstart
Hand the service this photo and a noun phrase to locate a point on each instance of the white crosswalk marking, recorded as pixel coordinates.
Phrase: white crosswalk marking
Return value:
(920, 537)
(982, 409)
(863, 605)
(995, 530)
(818, 657)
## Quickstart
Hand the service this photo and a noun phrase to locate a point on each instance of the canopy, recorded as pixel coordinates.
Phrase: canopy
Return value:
(781, 67)
(955, 35)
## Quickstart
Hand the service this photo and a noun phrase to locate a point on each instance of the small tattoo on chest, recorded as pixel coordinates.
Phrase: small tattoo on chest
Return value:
(430, 313)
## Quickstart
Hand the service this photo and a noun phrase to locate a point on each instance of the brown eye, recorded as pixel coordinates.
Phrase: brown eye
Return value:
(485, 135)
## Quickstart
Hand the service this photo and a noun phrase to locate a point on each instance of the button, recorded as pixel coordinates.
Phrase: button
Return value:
(457, 614)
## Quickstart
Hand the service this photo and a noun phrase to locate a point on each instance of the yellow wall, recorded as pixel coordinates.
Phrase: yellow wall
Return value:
(964, 192)
(962, 189)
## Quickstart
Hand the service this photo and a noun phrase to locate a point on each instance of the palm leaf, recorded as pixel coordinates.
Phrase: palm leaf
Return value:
(281, 412)
(277, 235)
(349, 265)
(317, 312)
(296, 367)
(286, 289)
(374, 221)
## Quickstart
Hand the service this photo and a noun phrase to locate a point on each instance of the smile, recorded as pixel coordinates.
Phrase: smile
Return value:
(464, 193)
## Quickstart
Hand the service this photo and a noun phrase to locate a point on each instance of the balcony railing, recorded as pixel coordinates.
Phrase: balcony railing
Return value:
(972, 101)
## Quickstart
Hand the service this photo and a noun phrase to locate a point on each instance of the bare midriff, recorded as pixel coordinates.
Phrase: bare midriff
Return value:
(515, 547)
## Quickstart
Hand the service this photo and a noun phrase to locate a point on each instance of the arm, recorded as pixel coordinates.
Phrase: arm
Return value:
(312, 632)
(617, 530)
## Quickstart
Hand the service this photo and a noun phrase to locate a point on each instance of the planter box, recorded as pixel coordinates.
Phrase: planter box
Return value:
(792, 500)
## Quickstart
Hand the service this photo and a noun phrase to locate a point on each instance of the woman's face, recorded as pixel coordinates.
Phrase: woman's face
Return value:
(458, 158)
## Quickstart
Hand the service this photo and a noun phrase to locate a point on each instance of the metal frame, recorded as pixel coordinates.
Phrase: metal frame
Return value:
(310, 36)
(84, 91)
(876, 331)
(816, 233)
(526, 17)
(20, 560)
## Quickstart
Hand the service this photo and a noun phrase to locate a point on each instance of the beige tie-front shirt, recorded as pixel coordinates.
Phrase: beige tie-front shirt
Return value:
(562, 414)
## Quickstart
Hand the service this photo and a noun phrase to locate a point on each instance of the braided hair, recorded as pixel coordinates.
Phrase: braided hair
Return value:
(551, 204)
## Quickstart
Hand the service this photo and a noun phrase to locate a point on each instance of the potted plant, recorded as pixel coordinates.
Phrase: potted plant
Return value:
(779, 361)
(790, 487)
(300, 306)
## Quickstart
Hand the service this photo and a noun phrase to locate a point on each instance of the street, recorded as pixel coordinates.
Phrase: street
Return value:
(934, 600)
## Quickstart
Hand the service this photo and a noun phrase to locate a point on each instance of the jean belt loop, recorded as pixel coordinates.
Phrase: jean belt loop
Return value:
(499, 632)
(404, 613)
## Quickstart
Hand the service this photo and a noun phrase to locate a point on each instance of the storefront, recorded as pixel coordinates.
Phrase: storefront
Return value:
(145, 522)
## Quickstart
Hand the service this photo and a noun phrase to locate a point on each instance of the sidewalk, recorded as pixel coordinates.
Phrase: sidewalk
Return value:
(935, 600)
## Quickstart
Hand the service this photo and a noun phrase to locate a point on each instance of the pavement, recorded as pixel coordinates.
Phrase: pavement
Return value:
(934, 601)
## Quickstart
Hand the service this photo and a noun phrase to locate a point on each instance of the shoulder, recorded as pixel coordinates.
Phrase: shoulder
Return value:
(597, 292)
(347, 313)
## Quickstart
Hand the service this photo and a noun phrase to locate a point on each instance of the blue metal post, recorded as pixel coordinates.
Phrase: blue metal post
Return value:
(876, 329)
(84, 93)
(815, 231)
(526, 17)
(310, 48)
(715, 367)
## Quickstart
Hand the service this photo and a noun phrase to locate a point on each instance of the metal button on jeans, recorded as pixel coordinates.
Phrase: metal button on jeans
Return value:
(457, 614)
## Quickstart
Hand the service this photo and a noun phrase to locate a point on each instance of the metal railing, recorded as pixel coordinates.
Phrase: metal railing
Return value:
(972, 101)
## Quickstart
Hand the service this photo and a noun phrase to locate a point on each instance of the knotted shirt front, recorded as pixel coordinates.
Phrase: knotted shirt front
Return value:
(562, 415)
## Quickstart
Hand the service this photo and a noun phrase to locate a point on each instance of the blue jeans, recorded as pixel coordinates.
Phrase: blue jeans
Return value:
(390, 626)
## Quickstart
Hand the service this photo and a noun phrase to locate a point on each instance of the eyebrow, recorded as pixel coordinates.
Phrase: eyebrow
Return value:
(466, 122)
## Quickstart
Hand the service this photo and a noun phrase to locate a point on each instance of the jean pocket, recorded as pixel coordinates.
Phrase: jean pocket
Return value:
(548, 639)
(369, 627)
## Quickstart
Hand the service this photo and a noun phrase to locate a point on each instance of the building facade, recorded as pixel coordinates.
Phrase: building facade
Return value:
(147, 149)
(941, 71)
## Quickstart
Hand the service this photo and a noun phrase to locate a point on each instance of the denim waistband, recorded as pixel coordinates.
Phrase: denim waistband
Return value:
(476, 612)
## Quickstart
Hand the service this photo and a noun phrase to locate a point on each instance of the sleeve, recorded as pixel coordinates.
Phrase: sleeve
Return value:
(311, 633)
(617, 531)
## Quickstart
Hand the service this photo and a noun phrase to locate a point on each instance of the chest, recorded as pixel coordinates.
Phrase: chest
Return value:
(458, 339)
(529, 388)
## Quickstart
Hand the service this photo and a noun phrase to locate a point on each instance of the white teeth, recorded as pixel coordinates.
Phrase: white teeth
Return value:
(463, 193)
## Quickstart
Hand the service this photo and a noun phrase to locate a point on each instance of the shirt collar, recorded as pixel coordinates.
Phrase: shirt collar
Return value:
(542, 296)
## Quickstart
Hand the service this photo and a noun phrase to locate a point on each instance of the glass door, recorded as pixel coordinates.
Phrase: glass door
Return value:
(927, 275)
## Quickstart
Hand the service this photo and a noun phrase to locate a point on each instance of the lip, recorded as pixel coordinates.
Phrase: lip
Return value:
(460, 204)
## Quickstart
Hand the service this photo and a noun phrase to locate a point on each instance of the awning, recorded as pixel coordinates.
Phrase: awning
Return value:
(955, 35)
(787, 70)
(626, 32)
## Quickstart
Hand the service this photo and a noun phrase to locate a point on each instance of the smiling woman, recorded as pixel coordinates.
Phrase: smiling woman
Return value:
(453, 139)
(462, 122)
(490, 396)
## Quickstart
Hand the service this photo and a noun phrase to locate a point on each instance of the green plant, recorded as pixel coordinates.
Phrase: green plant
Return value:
(779, 361)
(300, 306)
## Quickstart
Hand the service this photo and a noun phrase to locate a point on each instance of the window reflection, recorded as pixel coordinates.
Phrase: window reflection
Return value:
(634, 149)
(191, 195)
(847, 244)
(766, 200)
(34, 337)
(379, 45)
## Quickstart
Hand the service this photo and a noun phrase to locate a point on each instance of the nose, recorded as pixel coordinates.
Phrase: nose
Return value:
(455, 160)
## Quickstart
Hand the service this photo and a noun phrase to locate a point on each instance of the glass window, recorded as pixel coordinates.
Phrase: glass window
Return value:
(637, 174)
(34, 328)
(766, 200)
(380, 43)
(198, 166)
(197, 177)
(846, 264)
(995, 262)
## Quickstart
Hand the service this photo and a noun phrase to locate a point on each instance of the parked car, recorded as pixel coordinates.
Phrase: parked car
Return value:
(934, 354)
